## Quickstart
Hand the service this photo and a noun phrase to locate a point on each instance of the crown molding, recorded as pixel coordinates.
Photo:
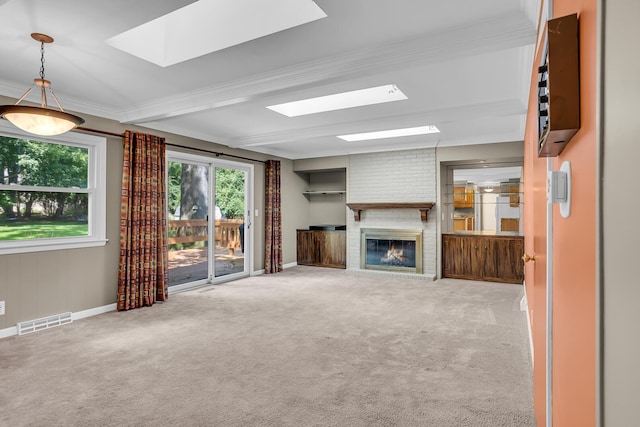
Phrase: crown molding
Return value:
(532, 10)
(499, 33)
(349, 150)
(525, 70)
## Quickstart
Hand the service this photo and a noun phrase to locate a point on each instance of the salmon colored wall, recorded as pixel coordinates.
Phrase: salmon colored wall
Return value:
(574, 249)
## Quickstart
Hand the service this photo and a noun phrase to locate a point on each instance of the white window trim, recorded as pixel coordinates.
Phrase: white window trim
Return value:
(96, 187)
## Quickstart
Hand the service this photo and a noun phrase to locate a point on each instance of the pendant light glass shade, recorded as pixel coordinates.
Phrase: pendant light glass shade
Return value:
(41, 120)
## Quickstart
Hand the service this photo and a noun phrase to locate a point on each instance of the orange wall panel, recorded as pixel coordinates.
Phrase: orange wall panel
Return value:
(574, 248)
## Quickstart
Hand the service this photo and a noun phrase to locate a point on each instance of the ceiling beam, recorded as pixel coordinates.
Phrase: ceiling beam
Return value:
(499, 33)
(461, 113)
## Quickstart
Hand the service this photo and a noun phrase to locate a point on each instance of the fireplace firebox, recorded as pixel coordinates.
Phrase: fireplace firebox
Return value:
(396, 250)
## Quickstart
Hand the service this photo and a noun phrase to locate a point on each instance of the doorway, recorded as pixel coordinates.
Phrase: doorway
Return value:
(209, 228)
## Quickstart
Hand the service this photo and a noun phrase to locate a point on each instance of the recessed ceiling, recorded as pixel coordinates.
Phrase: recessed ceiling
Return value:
(464, 66)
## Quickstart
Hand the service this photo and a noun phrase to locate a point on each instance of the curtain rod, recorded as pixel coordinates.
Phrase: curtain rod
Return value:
(217, 154)
(103, 132)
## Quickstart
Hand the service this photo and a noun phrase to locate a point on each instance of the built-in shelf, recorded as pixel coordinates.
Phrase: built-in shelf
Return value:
(423, 207)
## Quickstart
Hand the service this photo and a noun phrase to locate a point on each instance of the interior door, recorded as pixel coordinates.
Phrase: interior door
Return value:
(535, 268)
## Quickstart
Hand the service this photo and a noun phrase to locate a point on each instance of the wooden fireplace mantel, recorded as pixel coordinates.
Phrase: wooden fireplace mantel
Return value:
(423, 207)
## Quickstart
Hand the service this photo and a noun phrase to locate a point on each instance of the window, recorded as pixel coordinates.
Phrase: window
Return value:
(52, 191)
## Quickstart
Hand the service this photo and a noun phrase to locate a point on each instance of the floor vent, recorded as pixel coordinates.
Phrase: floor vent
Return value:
(44, 323)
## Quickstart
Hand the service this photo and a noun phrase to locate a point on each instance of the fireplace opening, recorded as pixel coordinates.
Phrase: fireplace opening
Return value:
(391, 250)
(396, 253)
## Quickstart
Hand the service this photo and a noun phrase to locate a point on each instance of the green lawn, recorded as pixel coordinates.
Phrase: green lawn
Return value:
(41, 230)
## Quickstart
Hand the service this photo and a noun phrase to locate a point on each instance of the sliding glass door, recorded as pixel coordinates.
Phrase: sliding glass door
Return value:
(230, 220)
(209, 225)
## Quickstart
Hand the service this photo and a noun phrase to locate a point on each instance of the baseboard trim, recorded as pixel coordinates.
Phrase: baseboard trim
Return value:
(12, 331)
(524, 306)
(94, 311)
(284, 267)
(8, 332)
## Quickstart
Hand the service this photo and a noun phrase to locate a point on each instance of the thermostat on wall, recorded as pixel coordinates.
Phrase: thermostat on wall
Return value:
(559, 188)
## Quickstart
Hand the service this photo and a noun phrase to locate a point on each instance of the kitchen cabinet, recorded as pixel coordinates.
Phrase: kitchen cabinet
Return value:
(463, 224)
(322, 248)
(514, 195)
(493, 258)
(463, 198)
(509, 224)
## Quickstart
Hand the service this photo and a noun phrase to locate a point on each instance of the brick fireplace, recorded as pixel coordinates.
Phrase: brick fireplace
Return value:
(401, 177)
(391, 250)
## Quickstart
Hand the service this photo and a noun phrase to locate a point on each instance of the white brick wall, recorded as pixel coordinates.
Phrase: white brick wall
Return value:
(400, 176)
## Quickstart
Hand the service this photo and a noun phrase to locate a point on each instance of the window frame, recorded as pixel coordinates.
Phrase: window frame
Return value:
(96, 191)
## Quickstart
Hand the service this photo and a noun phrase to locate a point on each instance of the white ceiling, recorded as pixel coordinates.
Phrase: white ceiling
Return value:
(487, 176)
(463, 64)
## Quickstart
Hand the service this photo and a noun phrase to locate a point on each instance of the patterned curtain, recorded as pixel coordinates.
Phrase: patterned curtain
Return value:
(143, 276)
(273, 229)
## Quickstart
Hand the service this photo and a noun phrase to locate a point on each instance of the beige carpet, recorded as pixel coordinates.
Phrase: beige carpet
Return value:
(306, 347)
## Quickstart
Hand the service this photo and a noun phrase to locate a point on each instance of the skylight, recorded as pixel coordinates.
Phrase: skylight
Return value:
(420, 130)
(340, 101)
(210, 25)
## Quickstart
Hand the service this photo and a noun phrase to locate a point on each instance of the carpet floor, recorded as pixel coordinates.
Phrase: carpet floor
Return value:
(306, 347)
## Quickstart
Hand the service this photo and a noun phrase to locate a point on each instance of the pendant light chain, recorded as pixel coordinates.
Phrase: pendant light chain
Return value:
(43, 88)
(42, 60)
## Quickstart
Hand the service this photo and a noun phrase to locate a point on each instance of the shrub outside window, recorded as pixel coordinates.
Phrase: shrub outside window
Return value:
(52, 191)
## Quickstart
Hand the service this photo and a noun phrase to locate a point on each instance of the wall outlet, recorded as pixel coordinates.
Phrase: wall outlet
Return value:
(1, 308)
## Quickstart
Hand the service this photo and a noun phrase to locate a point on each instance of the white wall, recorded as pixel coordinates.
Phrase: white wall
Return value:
(39, 284)
(400, 176)
(505, 210)
(327, 208)
(620, 154)
(489, 211)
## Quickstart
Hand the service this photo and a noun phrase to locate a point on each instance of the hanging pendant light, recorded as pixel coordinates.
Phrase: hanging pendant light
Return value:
(42, 120)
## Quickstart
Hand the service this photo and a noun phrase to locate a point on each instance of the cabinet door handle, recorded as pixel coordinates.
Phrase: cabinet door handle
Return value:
(527, 258)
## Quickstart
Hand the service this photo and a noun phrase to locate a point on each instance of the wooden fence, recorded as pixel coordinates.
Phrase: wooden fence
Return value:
(195, 230)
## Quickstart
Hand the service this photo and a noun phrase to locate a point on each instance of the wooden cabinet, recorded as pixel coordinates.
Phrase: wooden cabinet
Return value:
(307, 248)
(559, 86)
(482, 257)
(463, 198)
(322, 248)
(463, 224)
(514, 195)
(510, 224)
